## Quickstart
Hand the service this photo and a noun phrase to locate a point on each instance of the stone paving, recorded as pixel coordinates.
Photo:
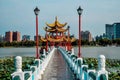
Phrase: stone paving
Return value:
(57, 69)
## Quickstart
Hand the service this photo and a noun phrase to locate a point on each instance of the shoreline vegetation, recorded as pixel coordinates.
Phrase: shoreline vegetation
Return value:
(98, 42)
(7, 66)
(44, 46)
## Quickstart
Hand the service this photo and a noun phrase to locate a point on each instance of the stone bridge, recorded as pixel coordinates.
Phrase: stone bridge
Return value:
(59, 64)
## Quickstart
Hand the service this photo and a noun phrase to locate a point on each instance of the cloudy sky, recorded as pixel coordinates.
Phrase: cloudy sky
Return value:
(18, 15)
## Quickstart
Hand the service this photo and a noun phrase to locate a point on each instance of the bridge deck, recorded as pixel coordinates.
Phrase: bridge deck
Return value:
(57, 69)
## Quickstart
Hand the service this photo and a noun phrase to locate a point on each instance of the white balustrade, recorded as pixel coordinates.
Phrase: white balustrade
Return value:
(82, 71)
(35, 71)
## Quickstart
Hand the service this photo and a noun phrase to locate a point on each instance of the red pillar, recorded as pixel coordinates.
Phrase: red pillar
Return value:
(46, 43)
(79, 43)
(65, 45)
(69, 47)
(37, 41)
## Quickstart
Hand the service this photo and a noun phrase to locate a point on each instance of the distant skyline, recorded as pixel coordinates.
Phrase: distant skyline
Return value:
(18, 15)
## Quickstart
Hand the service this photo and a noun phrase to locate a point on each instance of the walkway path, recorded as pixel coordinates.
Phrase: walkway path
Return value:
(57, 69)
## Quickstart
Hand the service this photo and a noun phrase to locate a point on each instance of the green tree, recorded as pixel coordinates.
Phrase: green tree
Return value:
(2, 44)
(104, 42)
(118, 41)
(8, 44)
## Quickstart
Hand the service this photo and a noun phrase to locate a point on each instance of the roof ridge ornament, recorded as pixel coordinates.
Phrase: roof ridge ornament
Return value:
(56, 18)
(56, 24)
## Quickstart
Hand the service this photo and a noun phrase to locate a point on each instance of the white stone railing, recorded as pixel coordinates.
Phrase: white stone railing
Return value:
(81, 70)
(35, 71)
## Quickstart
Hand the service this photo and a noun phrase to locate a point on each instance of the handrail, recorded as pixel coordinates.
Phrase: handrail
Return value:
(34, 71)
(80, 67)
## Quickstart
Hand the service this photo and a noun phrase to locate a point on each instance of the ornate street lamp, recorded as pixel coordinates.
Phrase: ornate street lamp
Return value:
(79, 10)
(36, 11)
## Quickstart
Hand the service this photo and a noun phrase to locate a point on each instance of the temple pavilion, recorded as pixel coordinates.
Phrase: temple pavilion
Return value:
(57, 35)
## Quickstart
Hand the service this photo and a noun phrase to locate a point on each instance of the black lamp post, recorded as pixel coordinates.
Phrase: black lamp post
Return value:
(79, 10)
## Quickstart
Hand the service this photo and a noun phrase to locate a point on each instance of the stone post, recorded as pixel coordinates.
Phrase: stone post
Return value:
(44, 52)
(101, 62)
(18, 64)
(38, 69)
(34, 72)
(72, 50)
(101, 73)
(91, 74)
(49, 49)
(79, 64)
(84, 69)
(18, 74)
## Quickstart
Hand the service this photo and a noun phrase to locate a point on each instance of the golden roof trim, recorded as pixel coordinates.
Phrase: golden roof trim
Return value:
(56, 24)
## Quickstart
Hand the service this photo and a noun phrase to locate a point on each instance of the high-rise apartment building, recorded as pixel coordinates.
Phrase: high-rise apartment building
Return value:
(12, 36)
(26, 37)
(9, 36)
(86, 35)
(16, 36)
(112, 31)
(116, 30)
(2, 38)
(109, 31)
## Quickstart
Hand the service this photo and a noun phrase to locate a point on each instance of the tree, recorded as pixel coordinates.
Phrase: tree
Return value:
(104, 42)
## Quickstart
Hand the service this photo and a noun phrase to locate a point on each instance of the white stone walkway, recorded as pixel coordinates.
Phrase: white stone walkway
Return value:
(57, 69)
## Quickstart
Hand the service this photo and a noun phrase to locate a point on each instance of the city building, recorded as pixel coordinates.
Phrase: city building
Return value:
(109, 31)
(116, 30)
(12, 36)
(113, 31)
(9, 36)
(38, 38)
(26, 37)
(99, 37)
(86, 35)
(2, 38)
(16, 36)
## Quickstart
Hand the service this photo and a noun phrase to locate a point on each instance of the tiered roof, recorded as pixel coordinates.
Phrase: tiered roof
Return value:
(58, 40)
(56, 27)
(59, 28)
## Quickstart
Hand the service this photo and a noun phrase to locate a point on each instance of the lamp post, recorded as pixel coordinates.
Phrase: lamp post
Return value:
(68, 38)
(79, 10)
(46, 41)
(36, 11)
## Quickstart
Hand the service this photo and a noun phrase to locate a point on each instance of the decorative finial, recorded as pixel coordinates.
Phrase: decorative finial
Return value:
(18, 63)
(101, 62)
(56, 18)
(46, 28)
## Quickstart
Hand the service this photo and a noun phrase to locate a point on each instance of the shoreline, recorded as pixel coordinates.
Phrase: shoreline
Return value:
(41, 46)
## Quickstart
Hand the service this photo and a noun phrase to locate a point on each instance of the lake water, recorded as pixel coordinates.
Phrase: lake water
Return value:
(17, 52)
(109, 52)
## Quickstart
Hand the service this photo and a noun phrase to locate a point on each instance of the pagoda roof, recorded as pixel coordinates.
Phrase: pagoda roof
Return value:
(56, 24)
(58, 40)
(43, 39)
